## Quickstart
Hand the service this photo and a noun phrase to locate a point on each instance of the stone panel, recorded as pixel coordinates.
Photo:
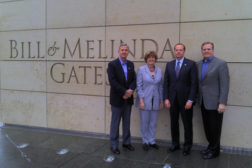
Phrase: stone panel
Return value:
(142, 11)
(232, 39)
(76, 112)
(21, 75)
(66, 13)
(142, 38)
(20, 15)
(240, 93)
(198, 10)
(76, 77)
(237, 127)
(22, 45)
(23, 108)
(79, 44)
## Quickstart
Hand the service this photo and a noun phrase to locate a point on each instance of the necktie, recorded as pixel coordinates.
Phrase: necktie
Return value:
(177, 69)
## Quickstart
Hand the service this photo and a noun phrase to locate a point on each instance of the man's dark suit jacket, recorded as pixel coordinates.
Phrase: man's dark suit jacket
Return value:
(118, 83)
(185, 87)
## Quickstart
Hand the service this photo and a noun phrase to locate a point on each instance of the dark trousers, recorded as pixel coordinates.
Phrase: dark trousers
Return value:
(186, 115)
(118, 113)
(212, 122)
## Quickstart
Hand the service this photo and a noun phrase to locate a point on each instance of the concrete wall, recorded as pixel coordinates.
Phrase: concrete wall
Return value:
(54, 54)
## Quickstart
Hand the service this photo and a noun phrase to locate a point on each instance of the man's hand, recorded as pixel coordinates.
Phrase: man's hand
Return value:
(128, 94)
(167, 103)
(188, 105)
(221, 108)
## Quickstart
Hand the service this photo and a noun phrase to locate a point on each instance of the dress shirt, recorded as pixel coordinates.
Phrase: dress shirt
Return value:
(180, 62)
(124, 67)
(205, 64)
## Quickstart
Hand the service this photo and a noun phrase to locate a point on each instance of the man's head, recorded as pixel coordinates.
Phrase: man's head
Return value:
(123, 51)
(207, 49)
(179, 51)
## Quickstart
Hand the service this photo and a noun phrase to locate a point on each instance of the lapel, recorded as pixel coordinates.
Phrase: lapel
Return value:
(119, 67)
(199, 69)
(173, 68)
(210, 66)
(183, 65)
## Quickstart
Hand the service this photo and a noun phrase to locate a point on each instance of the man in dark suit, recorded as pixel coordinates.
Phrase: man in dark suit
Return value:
(180, 87)
(213, 93)
(122, 79)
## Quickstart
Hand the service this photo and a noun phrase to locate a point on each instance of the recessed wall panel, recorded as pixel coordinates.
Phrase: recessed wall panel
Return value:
(77, 13)
(75, 112)
(20, 75)
(141, 11)
(232, 39)
(18, 15)
(236, 127)
(240, 92)
(198, 10)
(23, 108)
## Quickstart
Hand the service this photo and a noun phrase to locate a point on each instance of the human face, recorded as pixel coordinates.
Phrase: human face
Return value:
(179, 51)
(207, 51)
(151, 61)
(123, 53)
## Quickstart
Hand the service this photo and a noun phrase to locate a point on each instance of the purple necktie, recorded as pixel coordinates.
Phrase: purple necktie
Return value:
(177, 69)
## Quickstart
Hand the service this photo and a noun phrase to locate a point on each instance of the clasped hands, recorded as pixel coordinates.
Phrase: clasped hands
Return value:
(128, 94)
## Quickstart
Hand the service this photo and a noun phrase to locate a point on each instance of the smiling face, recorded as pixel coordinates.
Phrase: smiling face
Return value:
(123, 53)
(151, 61)
(207, 51)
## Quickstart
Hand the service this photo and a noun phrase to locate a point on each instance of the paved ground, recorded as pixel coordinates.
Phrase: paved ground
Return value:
(29, 148)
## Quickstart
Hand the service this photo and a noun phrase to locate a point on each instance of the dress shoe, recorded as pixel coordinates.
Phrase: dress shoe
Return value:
(205, 151)
(173, 148)
(210, 155)
(186, 151)
(115, 150)
(145, 147)
(154, 146)
(129, 147)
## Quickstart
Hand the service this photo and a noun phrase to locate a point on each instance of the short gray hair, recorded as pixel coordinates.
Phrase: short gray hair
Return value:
(123, 44)
(208, 42)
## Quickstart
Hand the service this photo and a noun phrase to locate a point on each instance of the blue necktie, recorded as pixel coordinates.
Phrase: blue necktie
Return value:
(177, 69)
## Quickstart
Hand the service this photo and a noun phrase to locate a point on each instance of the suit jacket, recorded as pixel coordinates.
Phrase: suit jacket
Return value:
(149, 88)
(214, 86)
(185, 87)
(118, 83)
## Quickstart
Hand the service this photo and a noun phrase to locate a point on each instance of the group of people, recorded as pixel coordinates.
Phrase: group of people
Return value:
(183, 81)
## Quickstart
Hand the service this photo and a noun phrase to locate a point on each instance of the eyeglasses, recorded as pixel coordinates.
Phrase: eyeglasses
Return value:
(206, 49)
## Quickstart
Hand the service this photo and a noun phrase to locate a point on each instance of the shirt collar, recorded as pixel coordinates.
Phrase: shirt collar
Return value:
(122, 63)
(181, 61)
(208, 60)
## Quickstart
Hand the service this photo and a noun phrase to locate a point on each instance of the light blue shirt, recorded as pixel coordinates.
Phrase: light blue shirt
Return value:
(124, 67)
(180, 62)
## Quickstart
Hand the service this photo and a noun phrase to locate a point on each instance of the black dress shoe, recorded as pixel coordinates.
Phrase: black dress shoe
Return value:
(129, 147)
(154, 146)
(205, 151)
(115, 150)
(210, 155)
(145, 147)
(173, 148)
(186, 151)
